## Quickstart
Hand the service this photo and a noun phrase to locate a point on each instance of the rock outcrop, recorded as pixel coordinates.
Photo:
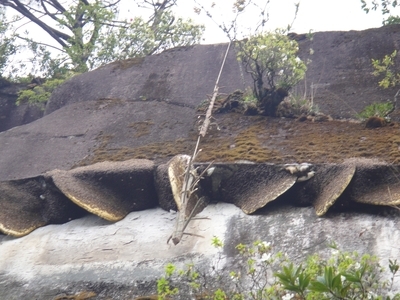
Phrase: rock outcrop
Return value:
(12, 115)
(146, 109)
(123, 260)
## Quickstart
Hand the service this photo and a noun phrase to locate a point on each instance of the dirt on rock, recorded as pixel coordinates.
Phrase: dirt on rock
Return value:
(272, 140)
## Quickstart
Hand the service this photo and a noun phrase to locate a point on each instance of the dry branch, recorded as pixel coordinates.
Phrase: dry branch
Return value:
(186, 191)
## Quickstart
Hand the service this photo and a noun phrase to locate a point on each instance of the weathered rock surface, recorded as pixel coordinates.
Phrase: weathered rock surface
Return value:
(182, 76)
(12, 115)
(66, 137)
(122, 260)
(341, 70)
(340, 73)
(146, 109)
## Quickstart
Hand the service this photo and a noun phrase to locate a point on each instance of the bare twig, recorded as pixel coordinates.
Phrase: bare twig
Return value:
(191, 180)
(206, 122)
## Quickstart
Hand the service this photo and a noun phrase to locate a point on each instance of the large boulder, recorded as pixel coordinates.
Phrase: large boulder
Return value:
(181, 76)
(339, 77)
(146, 109)
(340, 73)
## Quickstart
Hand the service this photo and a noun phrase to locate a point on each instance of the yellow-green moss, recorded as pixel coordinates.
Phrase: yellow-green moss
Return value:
(127, 63)
(141, 128)
(262, 139)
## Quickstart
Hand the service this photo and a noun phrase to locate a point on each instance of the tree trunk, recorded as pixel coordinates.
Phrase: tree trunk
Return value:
(270, 101)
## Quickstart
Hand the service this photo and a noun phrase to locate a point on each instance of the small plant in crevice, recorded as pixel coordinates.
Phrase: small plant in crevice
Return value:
(257, 272)
(384, 68)
(300, 104)
(250, 102)
(163, 284)
(249, 97)
(380, 110)
(296, 106)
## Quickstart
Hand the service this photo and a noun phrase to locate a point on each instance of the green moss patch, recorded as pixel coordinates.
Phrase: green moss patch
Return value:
(261, 139)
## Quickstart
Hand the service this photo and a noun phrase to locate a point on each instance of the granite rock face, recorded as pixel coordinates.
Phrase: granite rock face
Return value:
(122, 260)
(339, 74)
(145, 108)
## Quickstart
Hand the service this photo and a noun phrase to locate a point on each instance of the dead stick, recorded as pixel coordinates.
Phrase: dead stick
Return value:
(182, 222)
(206, 123)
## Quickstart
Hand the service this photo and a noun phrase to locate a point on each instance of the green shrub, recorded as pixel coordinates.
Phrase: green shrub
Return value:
(386, 67)
(40, 93)
(381, 110)
(261, 274)
(271, 60)
(391, 20)
(294, 106)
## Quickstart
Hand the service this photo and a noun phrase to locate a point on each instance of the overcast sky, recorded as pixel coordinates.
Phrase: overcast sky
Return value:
(316, 15)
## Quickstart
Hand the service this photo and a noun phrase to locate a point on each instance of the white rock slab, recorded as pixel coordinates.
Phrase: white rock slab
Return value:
(54, 258)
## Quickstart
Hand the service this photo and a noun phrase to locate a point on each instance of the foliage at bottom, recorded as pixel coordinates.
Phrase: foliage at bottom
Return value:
(260, 273)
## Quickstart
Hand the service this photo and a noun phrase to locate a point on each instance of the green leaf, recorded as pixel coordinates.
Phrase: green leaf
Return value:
(337, 282)
(328, 276)
(318, 287)
(351, 278)
(345, 290)
(304, 281)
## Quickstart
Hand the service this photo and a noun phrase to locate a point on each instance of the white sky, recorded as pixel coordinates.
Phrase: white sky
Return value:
(315, 15)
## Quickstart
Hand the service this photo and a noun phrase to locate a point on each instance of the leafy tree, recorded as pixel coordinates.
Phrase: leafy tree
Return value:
(385, 69)
(271, 60)
(88, 33)
(384, 5)
(391, 20)
(269, 57)
(7, 44)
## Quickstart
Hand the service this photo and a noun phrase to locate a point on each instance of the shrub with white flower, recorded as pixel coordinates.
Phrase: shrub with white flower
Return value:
(260, 273)
(271, 60)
